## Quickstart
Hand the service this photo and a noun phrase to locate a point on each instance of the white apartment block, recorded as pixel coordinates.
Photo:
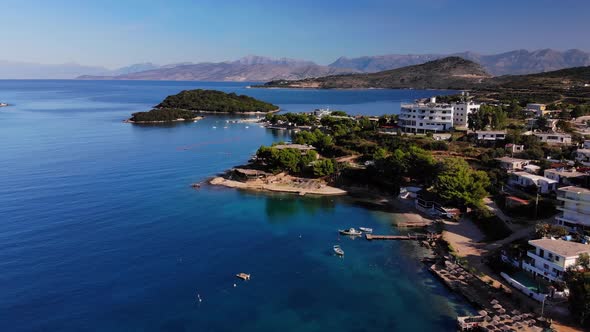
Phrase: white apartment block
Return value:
(434, 117)
(575, 207)
(550, 258)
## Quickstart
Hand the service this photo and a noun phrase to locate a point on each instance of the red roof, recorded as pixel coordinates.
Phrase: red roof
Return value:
(519, 200)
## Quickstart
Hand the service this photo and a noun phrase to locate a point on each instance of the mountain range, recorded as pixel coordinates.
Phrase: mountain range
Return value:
(565, 85)
(447, 73)
(260, 68)
(516, 62)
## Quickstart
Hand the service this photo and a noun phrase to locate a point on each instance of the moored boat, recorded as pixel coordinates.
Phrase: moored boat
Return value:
(338, 250)
(243, 276)
(350, 231)
(366, 229)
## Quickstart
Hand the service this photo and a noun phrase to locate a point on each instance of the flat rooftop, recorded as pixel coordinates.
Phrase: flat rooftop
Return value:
(574, 189)
(561, 247)
(565, 173)
(534, 177)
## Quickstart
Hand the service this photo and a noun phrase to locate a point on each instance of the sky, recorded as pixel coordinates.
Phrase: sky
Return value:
(115, 33)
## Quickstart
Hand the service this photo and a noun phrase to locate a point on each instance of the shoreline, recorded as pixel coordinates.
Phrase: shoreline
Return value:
(195, 119)
(321, 189)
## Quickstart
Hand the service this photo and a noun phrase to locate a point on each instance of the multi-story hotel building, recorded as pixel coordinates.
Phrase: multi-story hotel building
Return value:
(434, 117)
(575, 207)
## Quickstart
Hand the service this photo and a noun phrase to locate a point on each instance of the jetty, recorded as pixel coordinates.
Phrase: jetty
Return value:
(407, 237)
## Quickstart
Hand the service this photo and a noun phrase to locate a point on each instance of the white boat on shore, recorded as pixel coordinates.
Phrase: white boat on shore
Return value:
(366, 229)
(338, 250)
(350, 231)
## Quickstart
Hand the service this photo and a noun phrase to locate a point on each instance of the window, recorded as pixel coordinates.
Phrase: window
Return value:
(545, 266)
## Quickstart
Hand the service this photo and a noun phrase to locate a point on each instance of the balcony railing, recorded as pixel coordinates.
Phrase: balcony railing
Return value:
(541, 260)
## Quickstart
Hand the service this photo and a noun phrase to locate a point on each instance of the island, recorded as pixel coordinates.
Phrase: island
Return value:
(186, 105)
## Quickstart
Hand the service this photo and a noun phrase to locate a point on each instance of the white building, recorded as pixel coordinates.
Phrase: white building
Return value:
(525, 180)
(423, 118)
(575, 207)
(583, 156)
(514, 148)
(491, 135)
(566, 177)
(434, 117)
(512, 164)
(555, 138)
(461, 113)
(550, 258)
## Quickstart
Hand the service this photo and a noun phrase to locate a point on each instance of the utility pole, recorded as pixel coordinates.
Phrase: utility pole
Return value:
(537, 203)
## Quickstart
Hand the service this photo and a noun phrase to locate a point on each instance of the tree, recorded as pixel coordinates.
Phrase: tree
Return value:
(578, 282)
(542, 123)
(499, 119)
(323, 167)
(583, 260)
(459, 184)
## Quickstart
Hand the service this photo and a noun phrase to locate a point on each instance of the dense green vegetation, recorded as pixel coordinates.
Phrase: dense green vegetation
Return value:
(488, 116)
(163, 114)
(458, 184)
(215, 101)
(294, 161)
(578, 282)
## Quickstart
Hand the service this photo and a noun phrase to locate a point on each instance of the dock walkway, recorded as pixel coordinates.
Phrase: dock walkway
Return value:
(407, 237)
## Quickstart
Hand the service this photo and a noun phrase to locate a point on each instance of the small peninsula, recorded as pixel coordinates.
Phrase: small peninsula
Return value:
(213, 101)
(186, 105)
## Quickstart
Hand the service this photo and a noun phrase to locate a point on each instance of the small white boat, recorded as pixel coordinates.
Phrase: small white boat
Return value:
(338, 250)
(350, 231)
(243, 276)
(366, 229)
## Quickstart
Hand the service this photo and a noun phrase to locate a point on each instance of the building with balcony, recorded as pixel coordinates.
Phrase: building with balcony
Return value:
(566, 177)
(555, 138)
(434, 117)
(422, 118)
(574, 207)
(525, 180)
(491, 135)
(550, 258)
(461, 113)
(512, 164)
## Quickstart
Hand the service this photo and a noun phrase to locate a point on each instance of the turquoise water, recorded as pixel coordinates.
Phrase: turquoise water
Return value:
(100, 230)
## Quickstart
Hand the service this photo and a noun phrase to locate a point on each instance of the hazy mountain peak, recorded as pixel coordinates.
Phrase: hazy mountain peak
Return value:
(263, 60)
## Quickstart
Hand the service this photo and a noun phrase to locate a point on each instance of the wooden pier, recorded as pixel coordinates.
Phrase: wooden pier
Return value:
(416, 237)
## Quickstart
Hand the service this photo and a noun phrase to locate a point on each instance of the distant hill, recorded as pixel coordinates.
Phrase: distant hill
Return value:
(446, 73)
(251, 68)
(509, 63)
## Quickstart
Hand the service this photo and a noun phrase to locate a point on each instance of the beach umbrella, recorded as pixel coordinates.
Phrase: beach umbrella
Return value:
(494, 302)
(488, 318)
(502, 310)
(516, 318)
(497, 306)
(496, 319)
(515, 312)
(482, 313)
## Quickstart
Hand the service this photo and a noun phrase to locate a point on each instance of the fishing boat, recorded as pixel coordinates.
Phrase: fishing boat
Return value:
(243, 276)
(350, 231)
(366, 229)
(338, 250)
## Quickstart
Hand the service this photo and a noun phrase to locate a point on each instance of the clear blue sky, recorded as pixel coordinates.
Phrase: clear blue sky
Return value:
(120, 32)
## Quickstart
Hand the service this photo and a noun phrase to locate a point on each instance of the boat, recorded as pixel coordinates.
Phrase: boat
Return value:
(3, 104)
(350, 231)
(366, 229)
(338, 250)
(243, 276)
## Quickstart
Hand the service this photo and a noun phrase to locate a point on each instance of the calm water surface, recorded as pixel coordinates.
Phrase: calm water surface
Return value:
(100, 231)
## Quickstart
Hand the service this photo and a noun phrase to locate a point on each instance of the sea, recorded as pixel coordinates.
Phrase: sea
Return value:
(100, 229)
